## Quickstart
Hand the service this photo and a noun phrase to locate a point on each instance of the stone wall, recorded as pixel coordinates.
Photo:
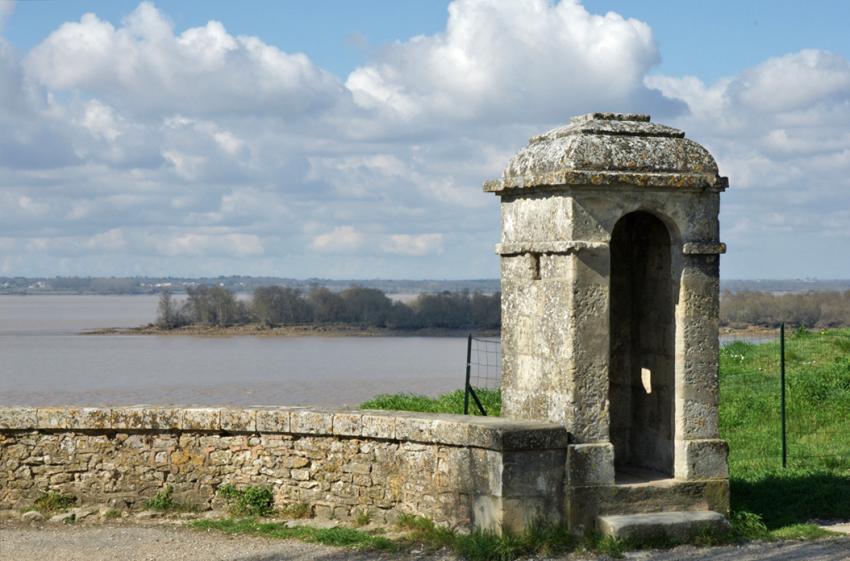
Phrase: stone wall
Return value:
(464, 472)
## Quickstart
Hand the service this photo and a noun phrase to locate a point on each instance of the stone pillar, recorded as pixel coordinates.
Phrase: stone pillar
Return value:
(562, 197)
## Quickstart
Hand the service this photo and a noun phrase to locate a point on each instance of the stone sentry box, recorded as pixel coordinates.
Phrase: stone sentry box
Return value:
(610, 287)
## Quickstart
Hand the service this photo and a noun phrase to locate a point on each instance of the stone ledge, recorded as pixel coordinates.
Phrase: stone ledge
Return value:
(676, 525)
(557, 247)
(703, 248)
(490, 433)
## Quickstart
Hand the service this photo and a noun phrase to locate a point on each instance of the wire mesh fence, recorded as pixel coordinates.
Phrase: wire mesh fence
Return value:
(483, 369)
(807, 427)
(817, 382)
(785, 398)
(750, 416)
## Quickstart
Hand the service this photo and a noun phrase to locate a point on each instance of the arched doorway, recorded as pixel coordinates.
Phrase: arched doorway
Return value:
(642, 358)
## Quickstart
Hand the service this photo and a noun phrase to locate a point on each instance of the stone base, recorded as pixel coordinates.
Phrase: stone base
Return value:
(678, 526)
(585, 504)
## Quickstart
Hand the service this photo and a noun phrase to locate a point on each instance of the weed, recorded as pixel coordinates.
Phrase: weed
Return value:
(112, 514)
(802, 532)
(162, 500)
(362, 518)
(749, 525)
(345, 537)
(250, 501)
(297, 510)
(54, 501)
(485, 545)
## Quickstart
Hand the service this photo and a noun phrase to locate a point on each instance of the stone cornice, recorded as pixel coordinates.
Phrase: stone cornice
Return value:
(491, 433)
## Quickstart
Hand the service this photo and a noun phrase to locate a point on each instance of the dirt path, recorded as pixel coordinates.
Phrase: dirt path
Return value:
(158, 543)
(163, 543)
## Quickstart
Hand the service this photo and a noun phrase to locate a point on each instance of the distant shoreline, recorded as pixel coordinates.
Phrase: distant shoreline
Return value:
(341, 330)
(257, 330)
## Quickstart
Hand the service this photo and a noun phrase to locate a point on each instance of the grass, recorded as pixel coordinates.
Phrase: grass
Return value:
(250, 501)
(54, 501)
(297, 510)
(344, 537)
(424, 536)
(451, 402)
(162, 500)
(816, 483)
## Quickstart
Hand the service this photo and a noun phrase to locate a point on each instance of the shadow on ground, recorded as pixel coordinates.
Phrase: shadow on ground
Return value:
(784, 497)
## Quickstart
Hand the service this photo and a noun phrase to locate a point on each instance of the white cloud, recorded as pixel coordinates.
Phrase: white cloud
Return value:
(197, 151)
(233, 244)
(415, 245)
(143, 66)
(340, 239)
(780, 132)
(509, 61)
(7, 8)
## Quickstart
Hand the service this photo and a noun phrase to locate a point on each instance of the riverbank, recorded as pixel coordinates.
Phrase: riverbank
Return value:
(344, 330)
(257, 330)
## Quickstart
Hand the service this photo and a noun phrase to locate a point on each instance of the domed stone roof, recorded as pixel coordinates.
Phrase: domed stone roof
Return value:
(608, 149)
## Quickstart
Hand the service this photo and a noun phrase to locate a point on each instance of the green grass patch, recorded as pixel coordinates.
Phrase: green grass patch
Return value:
(816, 483)
(54, 501)
(297, 510)
(802, 532)
(341, 537)
(162, 500)
(250, 501)
(451, 402)
(423, 535)
(483, 545)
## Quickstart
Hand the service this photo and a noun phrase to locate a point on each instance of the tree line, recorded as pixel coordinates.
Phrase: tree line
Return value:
(275, 306)
(807, 309)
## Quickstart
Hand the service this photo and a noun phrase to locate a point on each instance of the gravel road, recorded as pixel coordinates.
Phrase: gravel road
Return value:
(167, 543)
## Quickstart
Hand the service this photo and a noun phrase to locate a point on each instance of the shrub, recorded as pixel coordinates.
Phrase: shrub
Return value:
(250, 501)
(162, 500)
(54, 501)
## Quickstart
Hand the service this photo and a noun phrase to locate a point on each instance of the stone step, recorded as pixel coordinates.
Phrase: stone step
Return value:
(677, 526)
(668, 495)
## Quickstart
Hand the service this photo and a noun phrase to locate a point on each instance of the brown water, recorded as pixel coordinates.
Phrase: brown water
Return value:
(45, 361)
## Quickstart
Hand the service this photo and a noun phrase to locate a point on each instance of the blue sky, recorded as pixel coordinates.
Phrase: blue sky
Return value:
(350, 139)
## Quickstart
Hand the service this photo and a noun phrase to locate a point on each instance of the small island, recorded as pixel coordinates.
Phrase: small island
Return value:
(274, 311)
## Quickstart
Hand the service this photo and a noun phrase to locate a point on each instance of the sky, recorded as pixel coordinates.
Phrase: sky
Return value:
(350, 139)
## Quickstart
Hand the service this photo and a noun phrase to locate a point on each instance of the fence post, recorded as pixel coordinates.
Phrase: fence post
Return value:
(782, 393)
(468, 366)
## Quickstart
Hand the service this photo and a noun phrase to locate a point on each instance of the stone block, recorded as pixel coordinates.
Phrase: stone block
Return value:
(451, 431)
(273, 420)
(518, 513)
(93, 418)
(239, 420)
(697, 420)
(487, 513)
(413, 428)
(347, 424)
(702, 459)
(590, 464)
(677, 526)
(55, 417)
(18, 418)
(530, 473)
(146, 418)
(311, 422)
(377, 425)
(201, 419)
